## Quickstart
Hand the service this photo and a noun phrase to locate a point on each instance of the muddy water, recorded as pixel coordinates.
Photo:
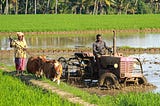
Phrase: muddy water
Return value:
(151, 68)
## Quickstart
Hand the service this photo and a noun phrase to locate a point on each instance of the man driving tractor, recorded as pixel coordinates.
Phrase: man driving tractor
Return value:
(99, 48)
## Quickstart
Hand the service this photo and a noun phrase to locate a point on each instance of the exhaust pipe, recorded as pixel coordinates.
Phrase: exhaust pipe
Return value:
(114, 43)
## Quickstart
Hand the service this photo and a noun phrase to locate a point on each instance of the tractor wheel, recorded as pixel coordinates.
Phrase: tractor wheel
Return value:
(64, 63)
(109, 81)
(142, 80)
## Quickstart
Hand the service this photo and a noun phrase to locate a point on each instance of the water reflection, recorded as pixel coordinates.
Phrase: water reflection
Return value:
(144, 41)
(61, 41)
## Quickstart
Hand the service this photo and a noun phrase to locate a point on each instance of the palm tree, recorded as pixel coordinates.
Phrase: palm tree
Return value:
(79, 6)
(100, 5)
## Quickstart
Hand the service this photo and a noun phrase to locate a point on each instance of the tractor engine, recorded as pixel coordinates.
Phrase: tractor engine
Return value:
(78, 67)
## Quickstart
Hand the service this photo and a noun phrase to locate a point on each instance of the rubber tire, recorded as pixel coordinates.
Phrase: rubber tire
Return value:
(109, 81)
(142, 80)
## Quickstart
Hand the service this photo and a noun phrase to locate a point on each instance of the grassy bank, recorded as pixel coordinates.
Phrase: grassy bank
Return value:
(130, 99)
(15, 92)
(42, 23)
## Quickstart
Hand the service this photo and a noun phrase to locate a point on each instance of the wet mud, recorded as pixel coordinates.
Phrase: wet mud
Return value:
(150, 63)
(113, 92)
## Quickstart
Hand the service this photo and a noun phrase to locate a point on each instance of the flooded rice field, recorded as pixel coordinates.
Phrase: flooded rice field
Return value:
(151, 69)
(71, 41)
(150, 62)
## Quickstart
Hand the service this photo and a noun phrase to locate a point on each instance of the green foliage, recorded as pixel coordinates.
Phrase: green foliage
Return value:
(42, 23)
(138, 99)
(143, 8)
(78, 6)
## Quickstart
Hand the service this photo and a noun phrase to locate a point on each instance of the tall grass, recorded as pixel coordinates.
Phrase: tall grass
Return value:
(10, 23)
(15, 93)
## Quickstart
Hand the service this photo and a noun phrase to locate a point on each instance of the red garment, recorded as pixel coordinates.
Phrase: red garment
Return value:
(20, 64)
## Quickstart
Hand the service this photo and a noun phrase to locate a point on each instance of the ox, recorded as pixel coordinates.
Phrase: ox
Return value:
(52, 69)
(35, 64)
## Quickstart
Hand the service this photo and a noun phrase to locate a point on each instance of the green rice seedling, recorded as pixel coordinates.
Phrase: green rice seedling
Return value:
(16, 93)
(138, 99)
(70, 22)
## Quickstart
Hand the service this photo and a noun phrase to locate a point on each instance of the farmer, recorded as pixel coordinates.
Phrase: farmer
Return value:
(19, 46)
(99, 48)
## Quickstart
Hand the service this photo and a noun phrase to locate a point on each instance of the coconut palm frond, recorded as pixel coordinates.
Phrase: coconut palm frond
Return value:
(110, 2)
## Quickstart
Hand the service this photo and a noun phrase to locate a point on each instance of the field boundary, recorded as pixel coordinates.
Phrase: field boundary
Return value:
(109, 31)
(44, 85)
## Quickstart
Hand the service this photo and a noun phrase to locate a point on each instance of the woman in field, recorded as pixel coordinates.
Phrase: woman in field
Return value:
(19, 46)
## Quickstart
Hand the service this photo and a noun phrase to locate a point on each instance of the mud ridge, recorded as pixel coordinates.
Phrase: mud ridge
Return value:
(52, 51)
(146, 30)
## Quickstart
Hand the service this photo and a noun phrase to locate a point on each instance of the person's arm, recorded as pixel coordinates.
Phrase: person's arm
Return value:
(106, 46)
(94, 48)
(13, 43)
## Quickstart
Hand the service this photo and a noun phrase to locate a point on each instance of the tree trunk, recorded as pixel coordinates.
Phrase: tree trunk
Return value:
(48, 4)
(80, 10)
(126, 8)
(1, 9)
(101, 8)
(156, 7)
(26, 7)
(95, 6)
(96, 9)
(56, 7)
(6, 8)
(16, 12)
(35, 7)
